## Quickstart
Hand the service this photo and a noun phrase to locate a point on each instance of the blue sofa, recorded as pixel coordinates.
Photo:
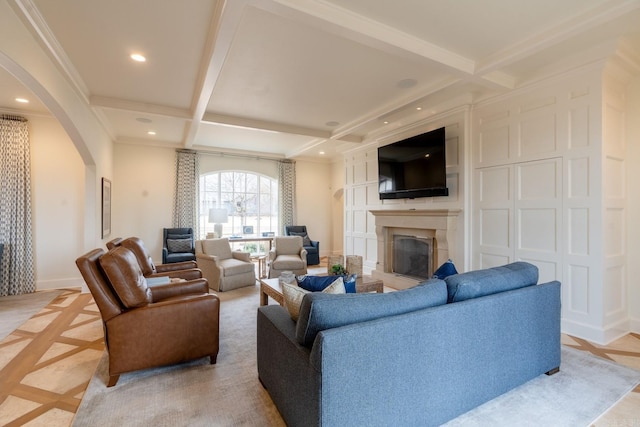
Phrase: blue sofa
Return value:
(420, 356)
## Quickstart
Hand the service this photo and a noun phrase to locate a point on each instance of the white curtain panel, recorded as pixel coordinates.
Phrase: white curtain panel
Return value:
(185, 208)
(17, 268)
(287, 190)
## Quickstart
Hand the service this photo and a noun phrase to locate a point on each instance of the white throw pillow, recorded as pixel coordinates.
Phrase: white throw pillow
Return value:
(293, 295)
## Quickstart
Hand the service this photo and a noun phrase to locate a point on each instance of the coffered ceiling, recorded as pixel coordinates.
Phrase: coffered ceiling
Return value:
(294, 78)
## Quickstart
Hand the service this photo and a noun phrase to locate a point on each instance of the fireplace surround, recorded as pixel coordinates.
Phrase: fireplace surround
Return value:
(437, 227)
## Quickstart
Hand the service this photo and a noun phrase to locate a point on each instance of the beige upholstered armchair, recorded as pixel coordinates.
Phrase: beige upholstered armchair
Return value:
(223, 268)
(288, 254)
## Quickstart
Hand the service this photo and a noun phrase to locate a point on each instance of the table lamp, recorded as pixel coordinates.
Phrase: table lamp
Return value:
(218, 216)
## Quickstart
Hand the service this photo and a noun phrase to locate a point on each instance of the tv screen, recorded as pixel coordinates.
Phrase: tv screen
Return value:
(413, 167)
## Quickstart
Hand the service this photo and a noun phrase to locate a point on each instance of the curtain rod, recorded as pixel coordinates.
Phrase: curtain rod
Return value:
(245, 156)
(12, 117)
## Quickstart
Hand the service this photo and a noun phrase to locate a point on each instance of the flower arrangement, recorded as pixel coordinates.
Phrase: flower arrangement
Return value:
(338, 270)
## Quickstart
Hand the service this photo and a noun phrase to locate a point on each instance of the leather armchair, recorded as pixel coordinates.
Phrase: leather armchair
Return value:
(187, 270)
(223, 268)
(288, 254)
(173, 240)
(312, 246)
(144, 326)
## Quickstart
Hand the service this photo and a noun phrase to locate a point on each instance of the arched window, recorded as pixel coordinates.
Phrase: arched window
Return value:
(249, 199)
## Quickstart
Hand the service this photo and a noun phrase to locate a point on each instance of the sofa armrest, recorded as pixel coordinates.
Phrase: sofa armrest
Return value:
(184, 265)
(162, 292)
(242, 256)
(284, 369)
(190, 274)
(272, 254)
(303, 255)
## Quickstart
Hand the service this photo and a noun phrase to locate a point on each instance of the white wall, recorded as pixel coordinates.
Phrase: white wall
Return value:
(314, 201)
(633, 210)
(57, 203)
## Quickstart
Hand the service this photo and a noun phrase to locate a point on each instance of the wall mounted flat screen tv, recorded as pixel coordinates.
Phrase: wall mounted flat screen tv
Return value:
(413, 167)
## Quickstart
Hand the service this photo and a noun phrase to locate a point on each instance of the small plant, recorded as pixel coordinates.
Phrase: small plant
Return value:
(337, 270)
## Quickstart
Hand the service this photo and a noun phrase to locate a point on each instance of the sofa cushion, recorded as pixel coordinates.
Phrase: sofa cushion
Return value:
(123, 271)
(293, 295)
(478, 283)
(318, 283)
(288, 262)
(179, 245)
(320, 311)
(217, 247)
(233, 266)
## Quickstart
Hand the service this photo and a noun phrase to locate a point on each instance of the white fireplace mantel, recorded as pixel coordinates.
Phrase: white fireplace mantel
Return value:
(440, 224)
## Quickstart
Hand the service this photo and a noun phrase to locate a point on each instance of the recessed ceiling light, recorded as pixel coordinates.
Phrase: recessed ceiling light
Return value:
(143, 120)
(385, 122)
(332, 123)
(22, 100)
(138, 57)
(321, 153)
(418, 108)
(407, 83)
(151, 132)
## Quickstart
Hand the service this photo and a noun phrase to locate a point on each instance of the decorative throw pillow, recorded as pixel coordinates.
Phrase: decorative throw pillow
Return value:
(445, 270)
(319, 283)
(293, 295)
(306, 241)
(179, 245)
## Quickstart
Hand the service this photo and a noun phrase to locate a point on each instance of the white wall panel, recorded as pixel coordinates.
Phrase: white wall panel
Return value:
(360, 195)
(494, 228)
(614, 298)
(577, 287)
(579, 127)
(488, 260)
(578, 231)
(578, 176)
(615, 177)
(614, 232)
(537, 136)
(494, 185)
(494, 145)
(537, 180)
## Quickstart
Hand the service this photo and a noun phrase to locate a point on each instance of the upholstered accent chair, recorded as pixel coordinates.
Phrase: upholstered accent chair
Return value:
(312, 246)
(223, 268)
(149, 326)
(178, 245)
(287, 254)
(184, 270)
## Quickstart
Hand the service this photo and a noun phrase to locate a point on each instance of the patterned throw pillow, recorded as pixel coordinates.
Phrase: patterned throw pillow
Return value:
(293, 295)
(179, 245)
(306, 241)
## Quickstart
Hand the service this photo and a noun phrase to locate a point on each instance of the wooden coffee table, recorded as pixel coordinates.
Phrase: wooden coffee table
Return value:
(272, 288)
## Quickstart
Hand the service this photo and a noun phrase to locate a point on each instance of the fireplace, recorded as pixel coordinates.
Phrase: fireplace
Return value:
(412, 256)
(412, 244)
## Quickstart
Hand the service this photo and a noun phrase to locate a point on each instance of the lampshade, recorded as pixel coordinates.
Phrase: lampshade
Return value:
(218, 215)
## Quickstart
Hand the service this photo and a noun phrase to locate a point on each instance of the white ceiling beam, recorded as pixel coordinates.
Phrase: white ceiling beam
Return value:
(353, 23)
(140, 107)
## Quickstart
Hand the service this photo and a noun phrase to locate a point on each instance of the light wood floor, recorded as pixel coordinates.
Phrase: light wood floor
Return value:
(46, 364)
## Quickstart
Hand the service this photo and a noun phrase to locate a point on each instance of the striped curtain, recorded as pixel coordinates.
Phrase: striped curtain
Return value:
(17, 264)
(287, 190)
(185, 207)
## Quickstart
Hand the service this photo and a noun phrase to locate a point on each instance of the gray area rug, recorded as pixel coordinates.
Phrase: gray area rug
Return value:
(229, 393)
(17, 309)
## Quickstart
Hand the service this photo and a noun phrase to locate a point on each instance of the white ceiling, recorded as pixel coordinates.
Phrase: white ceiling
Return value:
(292, 78)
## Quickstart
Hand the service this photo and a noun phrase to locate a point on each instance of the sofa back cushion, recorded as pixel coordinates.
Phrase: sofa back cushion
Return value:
(217, 247)
(325, 311)
(123, 271)
(479, 283)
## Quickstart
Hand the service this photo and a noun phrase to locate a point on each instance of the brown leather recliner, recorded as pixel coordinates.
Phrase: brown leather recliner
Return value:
(187, 270)
(146, 327)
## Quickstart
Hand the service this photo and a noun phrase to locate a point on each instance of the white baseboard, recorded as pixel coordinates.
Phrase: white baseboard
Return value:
(601, 336)
(62, 284)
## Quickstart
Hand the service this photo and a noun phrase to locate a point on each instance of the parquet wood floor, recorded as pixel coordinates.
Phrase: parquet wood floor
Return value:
(47, 363)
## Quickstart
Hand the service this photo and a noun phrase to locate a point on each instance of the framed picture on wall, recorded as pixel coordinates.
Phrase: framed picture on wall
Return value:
(106, 207)
(247, 229)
